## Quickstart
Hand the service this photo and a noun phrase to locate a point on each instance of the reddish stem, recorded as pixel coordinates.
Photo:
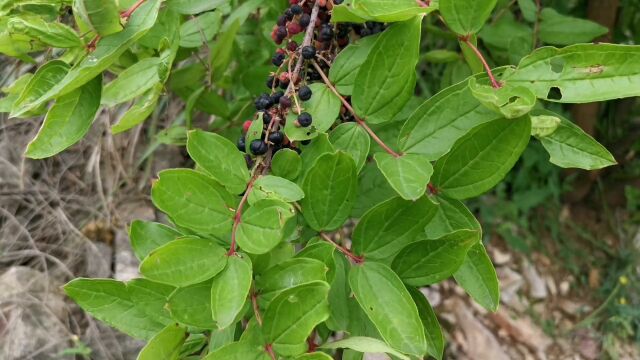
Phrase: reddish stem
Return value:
(269, 349)
(432, 189)
(256, 309)
(356, 259)
(238, 216)
(425, 3)
(312, 344)
(353, 112)
(129, 11)
(495, 83)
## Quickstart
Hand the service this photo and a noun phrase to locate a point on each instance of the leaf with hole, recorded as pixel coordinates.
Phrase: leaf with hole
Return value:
(509, 101)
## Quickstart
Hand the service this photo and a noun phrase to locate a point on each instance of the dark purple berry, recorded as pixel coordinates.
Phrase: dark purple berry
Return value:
(305, 93)
(263, 102)
(278, 59)
(308, 52)
(285, 102)
(272, 82)
(282, 20)
(258, 147)
(305, 119)
(288, 14)
(266, 117)
(276, 97)
(296, 9)
(276, 137)
(304, 20)
(241, 144)
(326, 33)
(282, 32)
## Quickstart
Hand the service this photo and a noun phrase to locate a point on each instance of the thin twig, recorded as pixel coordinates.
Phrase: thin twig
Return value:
(129, 11)
(345, 251)
(308, 37)
(353, 112)
(238, 216)
(495, 83)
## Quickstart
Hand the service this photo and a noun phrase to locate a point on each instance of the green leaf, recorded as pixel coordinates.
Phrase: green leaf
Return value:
(466, 17)
(570, 147)
(194, 200)
(451, 216)
(345, 12)
(108, 300)
(330, 190)
(107, 51)
(340, 292)
(242, 350)
(581, 73)
(408, 174)
(262, 226)
(386, 80)
(292, 315)
(478, 278)
(509, 101)
(273, 187)
(544, 125)
(254, 132)
(132, 82)
(230, 289)
(324, 107)
(432, 330)
(220, 158)
(482, 158)
(529, 10)
(288, 274)
(391, 225)
(150, 297)
(439, 122)
(185, 261)
(191, 306)
(141, 109)
(318, 147)
(373, 188)
(557, 29)
(189, 7)
(147, 236)
(427, 262)
(165, 345)
(45, 78)
(200, 29)
(51, 33)
(67, 121)
(388, 304)
(390, 10)
(441, 56)
(222, 50)
(314, 356)
(364, 345)
(102, 16)
(353, 140)
(346, 65)
(286, 163)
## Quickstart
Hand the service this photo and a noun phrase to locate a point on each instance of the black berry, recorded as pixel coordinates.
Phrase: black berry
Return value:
(258, 147)
(266, 117)
(288, 14)
(296, 9)
(278, 59)
(305, 93)
(304, 20)
(326, 33)
(308, 52)
(272, 82)
(282, 20)
(305, 119)
(263, 102)
(275, 98)
(241, 145)
(285, 102)
(276, 138)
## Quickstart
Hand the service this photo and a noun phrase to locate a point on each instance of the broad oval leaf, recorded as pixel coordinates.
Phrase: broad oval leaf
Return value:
(451, 215)
(45, 78)
(408, 174)
(220, 158)
(312, 152)
(151, 297)
(194, 200)
(482, 158)
(388, 304)
(345, 67)
(242, 350)
(165, 345)
(288, 274)
(108, 50)
(274, 187)
(67, 121)
(353, 140)
(570, 147)
(147, 236)
(108, 300)
(133, 81)
(427, 262)
(439, 122)
(390, 10)
(391, 225)
(580, 73)
(262, 226)
(386, 80)
(200, 29)
(364, 345)
(230, 289)
(478, 278)
(557, 29)
(185, 261)
(191, 306)
(139, 111)
(466, 17)
(330, 188)
(432, 330)
(293, 314)
(286, 163)
(324, 107)
(101, 15)
(51, 33)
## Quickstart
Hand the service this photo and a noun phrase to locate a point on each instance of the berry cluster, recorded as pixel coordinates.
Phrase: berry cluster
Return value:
(288, 87)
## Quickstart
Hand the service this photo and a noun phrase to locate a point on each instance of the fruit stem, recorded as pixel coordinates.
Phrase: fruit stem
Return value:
(238, 216)
(308, 36)
(356, 259)
(126, 14)
(495, 83)
(353, 112)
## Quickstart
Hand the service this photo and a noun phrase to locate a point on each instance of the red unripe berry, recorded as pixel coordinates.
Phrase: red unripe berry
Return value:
(284, 78)
(281, 51)
(292, 46)
(322, 3)
(294, 2)
(294, 28)
(246, 126)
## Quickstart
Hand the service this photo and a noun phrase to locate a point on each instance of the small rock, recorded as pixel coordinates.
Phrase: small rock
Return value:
(500, 258)
(510, 283)
(433, 295)
(565, 286)
(537, 286)
(551, 285)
